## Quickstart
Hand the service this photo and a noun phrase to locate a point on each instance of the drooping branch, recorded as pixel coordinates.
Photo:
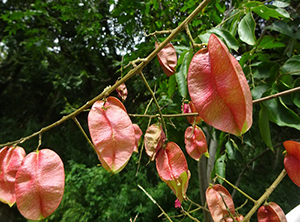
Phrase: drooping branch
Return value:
(131, 73)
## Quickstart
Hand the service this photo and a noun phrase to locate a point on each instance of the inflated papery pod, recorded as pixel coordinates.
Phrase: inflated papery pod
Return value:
(190, 108)
(10, 161)
(220, 204)
(111, 100)
(270, 212)
(219, 89)
(39, 185)
(154, 139)
(122, 91)
(112, 134)
(195, 142)
(167, 58)
(292, 160)
(172, 168)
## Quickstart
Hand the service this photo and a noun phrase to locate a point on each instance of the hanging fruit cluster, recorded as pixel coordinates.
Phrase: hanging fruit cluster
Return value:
(219, 94)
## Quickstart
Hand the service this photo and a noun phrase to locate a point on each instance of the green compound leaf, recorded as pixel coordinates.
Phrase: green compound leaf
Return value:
(246, 29)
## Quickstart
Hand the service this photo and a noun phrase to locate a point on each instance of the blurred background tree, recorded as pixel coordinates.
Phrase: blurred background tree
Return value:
(56, 55)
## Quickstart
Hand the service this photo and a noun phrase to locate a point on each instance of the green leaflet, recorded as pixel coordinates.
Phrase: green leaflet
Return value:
(220, 167)
(280, 114)
(246, 29)
(267, 12)
(292, 66)
(282, 27)
(181, 75)
(172, 86)
(280, 4)
(233, 151)
(296, 95)
(265, 69)
(225, 35)
(264, 126)
(269, 42)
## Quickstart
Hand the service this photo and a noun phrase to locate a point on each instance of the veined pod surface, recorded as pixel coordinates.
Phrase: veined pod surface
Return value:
(270, 212)
(154, 139)
(167, 58)
(292, 160)
(113, 135)
(172, 168)
(195, 142)
(10, 161)
(219, 201)
(40, 183)
(219, 89)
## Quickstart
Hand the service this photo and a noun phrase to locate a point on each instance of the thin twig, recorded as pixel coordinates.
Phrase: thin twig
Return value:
(277, 95)
(151, 198)
(156, 103)
(190, 216)
(40, 142)
(236, 188)
(199, 206)
(164, 115)
(84, 134)
(159, 33)
(194, 45)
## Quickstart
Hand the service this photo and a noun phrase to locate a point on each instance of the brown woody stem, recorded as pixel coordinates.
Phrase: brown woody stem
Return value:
(276, 95)
(159, 33)
(265, 196)
(164, 115)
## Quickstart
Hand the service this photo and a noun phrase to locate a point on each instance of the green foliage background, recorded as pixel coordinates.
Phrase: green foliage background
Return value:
(56, 55)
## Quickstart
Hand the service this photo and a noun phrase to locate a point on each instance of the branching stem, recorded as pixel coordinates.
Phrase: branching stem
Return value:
(84, 134)
(265, 196)
(236, 188)
(151, 198)
(156, 103)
